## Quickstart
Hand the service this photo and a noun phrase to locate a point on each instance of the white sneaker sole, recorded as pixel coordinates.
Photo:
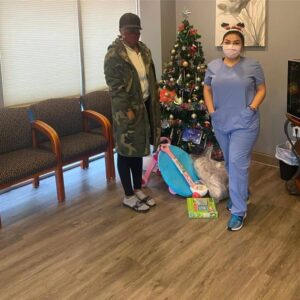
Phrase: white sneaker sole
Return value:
(238, 228)
(137, 205)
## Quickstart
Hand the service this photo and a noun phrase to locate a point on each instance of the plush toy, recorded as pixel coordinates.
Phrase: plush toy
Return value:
(214, 176)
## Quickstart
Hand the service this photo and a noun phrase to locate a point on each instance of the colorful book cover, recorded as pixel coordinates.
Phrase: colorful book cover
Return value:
(202, 208)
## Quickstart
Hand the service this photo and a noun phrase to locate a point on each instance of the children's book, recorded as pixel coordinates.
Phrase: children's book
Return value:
(202, 208)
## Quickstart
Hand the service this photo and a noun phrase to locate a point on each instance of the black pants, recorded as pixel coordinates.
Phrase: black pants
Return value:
(127, 167)
(147, 105)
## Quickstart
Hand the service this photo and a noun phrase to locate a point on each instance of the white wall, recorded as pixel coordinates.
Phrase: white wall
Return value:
(158, 19)
(150, 13)
(168, 28)
(282, 44)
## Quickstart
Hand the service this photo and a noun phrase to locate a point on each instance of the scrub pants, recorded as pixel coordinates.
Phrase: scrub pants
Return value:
(237, 146)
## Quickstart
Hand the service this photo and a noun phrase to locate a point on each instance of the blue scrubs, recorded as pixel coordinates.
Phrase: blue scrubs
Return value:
(236, 126)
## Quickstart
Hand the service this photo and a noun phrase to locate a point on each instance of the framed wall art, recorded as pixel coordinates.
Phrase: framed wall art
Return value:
(249, 14)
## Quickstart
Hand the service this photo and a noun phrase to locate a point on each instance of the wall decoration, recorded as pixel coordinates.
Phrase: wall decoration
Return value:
(251, 13)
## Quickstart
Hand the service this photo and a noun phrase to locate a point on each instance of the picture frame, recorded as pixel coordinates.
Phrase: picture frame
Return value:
(250, 13)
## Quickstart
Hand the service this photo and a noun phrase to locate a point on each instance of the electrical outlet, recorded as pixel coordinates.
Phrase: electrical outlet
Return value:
(296, 131)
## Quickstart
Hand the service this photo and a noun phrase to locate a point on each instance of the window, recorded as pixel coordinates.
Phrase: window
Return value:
(41, 51)
(100, 26)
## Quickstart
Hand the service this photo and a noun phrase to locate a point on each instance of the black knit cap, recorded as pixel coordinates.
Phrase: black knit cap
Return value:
(130, 20)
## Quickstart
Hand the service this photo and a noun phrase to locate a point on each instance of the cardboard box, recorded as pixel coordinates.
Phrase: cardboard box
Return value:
(202, 208)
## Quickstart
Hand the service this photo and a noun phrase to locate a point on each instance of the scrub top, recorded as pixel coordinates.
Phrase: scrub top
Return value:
(233, 89)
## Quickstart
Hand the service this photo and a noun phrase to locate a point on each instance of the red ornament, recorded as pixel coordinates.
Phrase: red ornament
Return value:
(193, 31)
(184, 106)
(192, 50)
(166, 95)
(181, 27)
(194, 47)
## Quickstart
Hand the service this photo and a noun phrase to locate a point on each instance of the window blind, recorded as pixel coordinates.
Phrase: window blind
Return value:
(100, 26)
(39, 47)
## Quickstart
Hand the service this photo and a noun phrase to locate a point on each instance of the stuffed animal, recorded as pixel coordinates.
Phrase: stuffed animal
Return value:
(213, 174)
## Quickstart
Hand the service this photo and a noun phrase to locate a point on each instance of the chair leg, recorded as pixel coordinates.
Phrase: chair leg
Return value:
(84, 163)
(112, 163)
(112, 166)
(36, 182)
(107, 165)
(0, 223)
(60, 187)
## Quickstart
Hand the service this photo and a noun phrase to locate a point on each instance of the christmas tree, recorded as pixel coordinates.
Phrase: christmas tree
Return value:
(185, 119)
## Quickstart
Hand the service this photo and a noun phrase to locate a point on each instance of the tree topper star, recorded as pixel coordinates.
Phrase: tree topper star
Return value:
(186, 14)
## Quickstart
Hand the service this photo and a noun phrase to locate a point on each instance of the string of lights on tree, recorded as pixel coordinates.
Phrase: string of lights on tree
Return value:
(185, 119)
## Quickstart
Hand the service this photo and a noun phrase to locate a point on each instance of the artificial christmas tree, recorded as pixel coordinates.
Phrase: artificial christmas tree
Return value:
(185, 119)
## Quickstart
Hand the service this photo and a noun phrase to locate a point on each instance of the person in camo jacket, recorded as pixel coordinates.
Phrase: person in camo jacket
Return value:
(130, 76)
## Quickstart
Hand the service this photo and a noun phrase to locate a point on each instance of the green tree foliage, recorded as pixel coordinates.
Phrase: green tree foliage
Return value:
(184, 115)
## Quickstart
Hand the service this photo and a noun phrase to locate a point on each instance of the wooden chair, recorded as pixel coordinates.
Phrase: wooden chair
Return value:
(99, 101)
(20, 158)
(75, 142)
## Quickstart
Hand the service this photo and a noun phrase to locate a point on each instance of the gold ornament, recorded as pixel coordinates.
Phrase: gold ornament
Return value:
(185, 64)
(194, 116)
(178, 100)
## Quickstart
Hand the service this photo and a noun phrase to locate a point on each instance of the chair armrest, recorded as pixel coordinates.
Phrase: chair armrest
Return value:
(50, 133)
(101, 119)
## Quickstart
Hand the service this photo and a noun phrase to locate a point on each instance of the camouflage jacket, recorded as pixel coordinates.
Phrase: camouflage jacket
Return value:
(132, 137)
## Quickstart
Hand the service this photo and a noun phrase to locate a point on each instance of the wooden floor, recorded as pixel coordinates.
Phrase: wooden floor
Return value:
(91, 247)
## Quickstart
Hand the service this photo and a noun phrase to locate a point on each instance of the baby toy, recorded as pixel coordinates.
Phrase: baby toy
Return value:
(153, 162)
(177, 170)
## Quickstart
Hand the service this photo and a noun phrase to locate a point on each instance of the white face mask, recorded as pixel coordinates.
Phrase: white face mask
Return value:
(232, 51)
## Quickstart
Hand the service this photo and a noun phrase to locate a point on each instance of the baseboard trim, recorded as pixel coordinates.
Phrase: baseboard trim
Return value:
(265, 159)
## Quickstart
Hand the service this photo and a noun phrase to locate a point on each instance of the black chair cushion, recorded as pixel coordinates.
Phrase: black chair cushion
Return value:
(97, 130)
(79, 144)
(15, 129)
(64, 114)
(99, 101)
(23, 163)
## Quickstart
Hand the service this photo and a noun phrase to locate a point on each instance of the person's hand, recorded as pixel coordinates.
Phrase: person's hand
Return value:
(130, 115)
